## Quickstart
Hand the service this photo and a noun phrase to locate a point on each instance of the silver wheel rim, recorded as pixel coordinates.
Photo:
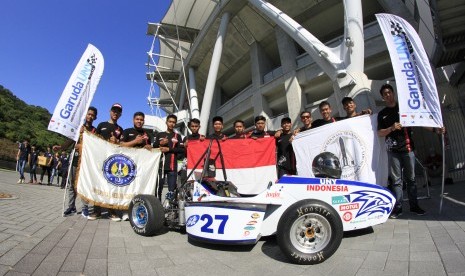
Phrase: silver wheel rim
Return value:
(139, 215)
(310, 233)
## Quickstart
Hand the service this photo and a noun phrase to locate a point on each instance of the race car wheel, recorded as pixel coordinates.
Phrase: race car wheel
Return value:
(146, 215)
(309, 232)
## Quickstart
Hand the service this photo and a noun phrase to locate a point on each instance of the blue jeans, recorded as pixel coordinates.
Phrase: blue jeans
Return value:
(403, 164)
(21, 165)
(171, 177)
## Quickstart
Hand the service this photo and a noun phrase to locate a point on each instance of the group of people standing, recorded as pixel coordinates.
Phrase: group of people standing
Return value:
(52, 164)
(399, 143)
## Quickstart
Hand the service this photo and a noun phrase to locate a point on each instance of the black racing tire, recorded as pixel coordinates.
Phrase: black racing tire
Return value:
(309, 232)
(146, 215)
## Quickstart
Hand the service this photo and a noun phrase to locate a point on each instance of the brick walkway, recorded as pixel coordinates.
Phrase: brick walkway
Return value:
(36, 240)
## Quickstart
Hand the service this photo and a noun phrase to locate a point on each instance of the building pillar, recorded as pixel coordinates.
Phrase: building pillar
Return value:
(213, 73)
(296, 101)
(193, 95)
(260, 65)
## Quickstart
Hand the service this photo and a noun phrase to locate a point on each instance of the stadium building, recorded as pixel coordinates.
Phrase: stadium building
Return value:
(242, 58)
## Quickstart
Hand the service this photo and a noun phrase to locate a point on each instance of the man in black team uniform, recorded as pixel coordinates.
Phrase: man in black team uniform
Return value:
(169, 143)
(136, 137)
(217, 123)
(400, 151)
(239, 128)
(259, 131)
(351, 108)
(194, 127)
(286, 158)
(325, 110)
(306, 119)
(110, 131)
(91, 115)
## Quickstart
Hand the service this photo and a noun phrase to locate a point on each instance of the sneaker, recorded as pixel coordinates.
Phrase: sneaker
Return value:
(19, 181)
(115, 218)
(396, 213)
(30, 182)
(169, 195)
(91, 216)
(125, 217)
(417, 210)
(69, 211)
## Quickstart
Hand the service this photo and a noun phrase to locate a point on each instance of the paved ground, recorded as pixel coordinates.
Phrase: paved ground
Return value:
(36, 240)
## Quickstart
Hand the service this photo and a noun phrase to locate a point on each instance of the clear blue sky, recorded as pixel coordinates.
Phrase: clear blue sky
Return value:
(42, 41)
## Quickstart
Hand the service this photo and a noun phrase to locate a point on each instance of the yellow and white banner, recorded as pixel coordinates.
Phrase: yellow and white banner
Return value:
(71, 109)
(362, 156)
(110, 175)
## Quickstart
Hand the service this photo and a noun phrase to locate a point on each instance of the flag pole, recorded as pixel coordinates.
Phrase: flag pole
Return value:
(443, 172)
(70, 167)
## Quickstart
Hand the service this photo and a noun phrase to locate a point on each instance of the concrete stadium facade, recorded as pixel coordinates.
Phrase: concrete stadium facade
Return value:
(262, 70)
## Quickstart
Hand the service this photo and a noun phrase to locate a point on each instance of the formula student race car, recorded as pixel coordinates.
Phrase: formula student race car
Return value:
(307, 215)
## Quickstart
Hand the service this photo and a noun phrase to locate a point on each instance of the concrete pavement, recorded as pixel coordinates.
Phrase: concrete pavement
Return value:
(36, 240)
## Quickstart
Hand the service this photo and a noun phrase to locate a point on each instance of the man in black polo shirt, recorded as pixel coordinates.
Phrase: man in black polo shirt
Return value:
(239, 129)
(351, 108)
(110, 131)
(217, 123)
(136, 136)
(286, 159)
(325, 110)
(169, 143)
(91, 115)
(400, 152)
(259, 131)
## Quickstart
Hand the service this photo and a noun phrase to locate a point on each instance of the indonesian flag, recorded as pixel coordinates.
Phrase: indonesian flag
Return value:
(250, 164)
(110, 175)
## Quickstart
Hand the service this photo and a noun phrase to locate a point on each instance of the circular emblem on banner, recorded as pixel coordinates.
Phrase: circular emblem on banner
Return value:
(119, 170)
(351, 151)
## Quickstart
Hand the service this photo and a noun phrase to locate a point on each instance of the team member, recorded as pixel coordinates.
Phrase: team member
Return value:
(34, 156)
(259, 131)
(325, 110)
(23, 157)
(91, 115)
(136, 136)
(169, 143)
(217, 123)
(306, 119)
(110, 131)
(286, 159)
(194, 127)
(239, 129)
(351, 108)
(400, 148)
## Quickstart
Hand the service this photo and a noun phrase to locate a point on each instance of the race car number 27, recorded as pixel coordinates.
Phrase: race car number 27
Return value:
(207, 227)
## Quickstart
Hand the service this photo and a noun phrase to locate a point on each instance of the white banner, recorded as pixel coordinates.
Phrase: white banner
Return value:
(110, 175)
(353, 141)
(416, 88)
(72, 107)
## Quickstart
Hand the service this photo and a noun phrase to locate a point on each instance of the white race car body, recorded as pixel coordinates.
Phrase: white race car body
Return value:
(219, 219)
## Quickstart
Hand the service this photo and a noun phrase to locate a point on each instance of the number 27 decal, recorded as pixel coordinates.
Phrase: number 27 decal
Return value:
(209, 221)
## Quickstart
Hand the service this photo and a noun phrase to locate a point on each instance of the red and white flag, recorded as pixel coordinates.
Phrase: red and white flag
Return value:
(250, 164)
